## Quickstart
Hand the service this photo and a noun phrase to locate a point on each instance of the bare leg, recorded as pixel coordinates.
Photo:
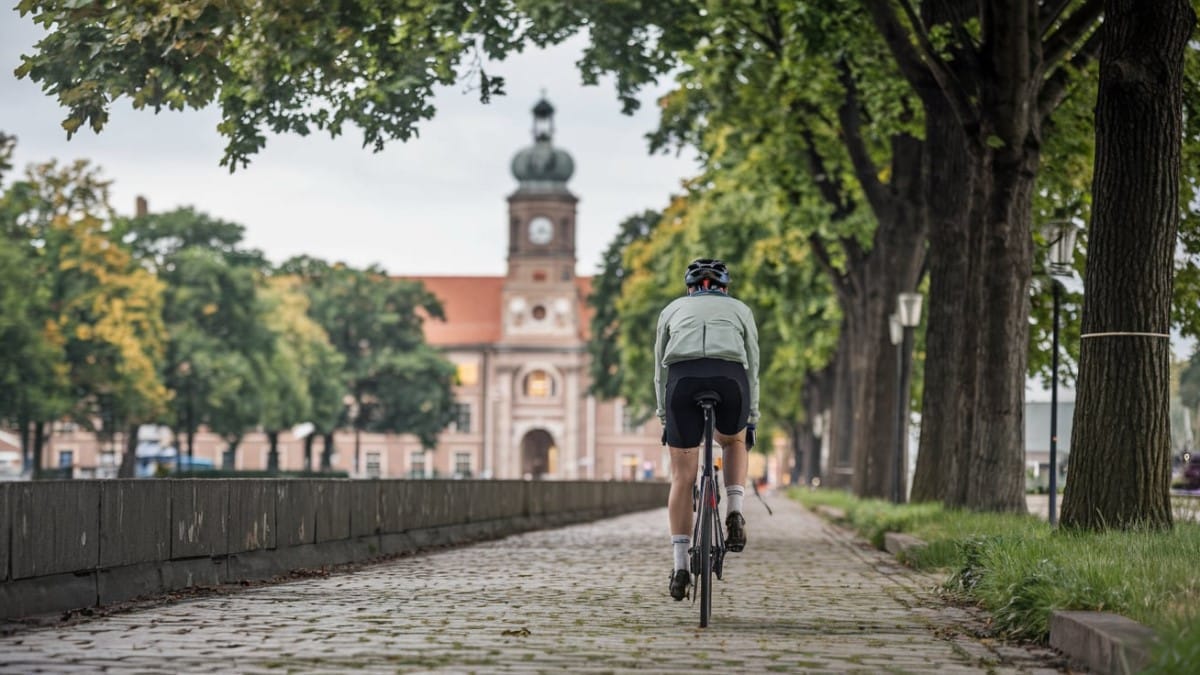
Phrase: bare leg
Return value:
(683, 477)
(735, 461)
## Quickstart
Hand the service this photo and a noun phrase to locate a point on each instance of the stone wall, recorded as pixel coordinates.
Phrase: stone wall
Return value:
(74, 544)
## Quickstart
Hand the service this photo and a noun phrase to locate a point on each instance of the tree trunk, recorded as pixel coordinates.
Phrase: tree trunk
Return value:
(994, 471)
(308, 451)
(24, 427)
(128, 468)
(800, 451)
(819, 399)
(327, 452)
(841, 423)
(892, 266)
(971, 450)
(1120, 447)
(948, 195)
(39, 439)
(273, 451)
(229, 457)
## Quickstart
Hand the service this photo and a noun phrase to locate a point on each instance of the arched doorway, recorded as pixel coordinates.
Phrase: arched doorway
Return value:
(538, 454)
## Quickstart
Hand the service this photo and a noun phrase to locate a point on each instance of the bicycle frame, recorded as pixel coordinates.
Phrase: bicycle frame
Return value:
(709, 540)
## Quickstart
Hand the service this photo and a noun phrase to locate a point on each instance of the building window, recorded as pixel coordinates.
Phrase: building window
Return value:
(66, 459)
(539, 275)
(416, 464)
(468, 374)
(462, 418)
(539, 384)
(462, 464)
(539, 313)
(373, 466)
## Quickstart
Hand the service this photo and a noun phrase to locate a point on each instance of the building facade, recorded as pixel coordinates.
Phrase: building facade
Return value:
(520, 344)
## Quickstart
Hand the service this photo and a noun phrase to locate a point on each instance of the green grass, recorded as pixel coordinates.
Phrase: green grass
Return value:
(1020, 570)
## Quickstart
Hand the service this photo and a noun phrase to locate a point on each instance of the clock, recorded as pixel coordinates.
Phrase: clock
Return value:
(541, 230)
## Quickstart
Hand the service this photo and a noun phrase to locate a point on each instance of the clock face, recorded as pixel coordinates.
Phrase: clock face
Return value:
(541, 230)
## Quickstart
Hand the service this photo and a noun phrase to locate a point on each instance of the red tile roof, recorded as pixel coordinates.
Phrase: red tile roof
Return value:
(473, 312)
(472, 309)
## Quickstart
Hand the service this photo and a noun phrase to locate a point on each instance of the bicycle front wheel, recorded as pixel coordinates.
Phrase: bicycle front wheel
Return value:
(708, 505)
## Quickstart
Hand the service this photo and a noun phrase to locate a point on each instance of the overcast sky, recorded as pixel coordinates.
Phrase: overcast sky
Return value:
(433, 205)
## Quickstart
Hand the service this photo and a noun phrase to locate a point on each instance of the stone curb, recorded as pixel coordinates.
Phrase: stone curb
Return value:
(1107, 643)
(898, 543)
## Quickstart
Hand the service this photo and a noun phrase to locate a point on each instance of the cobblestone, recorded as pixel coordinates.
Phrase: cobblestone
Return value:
(803, 597)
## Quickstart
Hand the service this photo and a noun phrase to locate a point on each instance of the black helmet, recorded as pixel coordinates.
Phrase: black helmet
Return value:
(707, 268)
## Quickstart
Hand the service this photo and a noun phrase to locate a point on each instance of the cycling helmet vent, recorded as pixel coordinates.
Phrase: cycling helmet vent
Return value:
(711, 269)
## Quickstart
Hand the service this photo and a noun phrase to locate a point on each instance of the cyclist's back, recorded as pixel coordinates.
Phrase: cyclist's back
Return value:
(706, 341)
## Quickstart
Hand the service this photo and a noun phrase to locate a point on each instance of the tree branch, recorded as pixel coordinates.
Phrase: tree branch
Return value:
(830, 188)
(1059, 44)
(851, 123)
(1055, 87)
(841, 283)
(767, 41)
(921, 65)
(1051, 10)
(854, 253)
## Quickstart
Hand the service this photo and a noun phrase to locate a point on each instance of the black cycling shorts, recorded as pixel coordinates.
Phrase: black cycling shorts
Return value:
(685, 418)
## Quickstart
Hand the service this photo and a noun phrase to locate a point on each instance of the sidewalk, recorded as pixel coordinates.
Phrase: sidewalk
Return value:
(804, 597)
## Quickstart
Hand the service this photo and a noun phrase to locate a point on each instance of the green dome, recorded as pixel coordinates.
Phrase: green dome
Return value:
(541, 165)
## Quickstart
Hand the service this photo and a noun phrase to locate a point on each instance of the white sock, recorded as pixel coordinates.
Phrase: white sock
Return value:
(680, 543)
(734, 494)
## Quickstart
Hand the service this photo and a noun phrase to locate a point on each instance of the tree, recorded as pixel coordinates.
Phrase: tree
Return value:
(838, 148)
(1000, 72)
(96, 305)
(270, 66)
(396, 382)
(1121, 459)
(605, 366)
(219, 351)
(773, 272)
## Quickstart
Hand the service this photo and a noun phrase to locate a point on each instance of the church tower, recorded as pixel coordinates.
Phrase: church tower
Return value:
(540, 295)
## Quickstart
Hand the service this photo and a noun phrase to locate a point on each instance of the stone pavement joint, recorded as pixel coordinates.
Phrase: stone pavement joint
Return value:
(805, 596)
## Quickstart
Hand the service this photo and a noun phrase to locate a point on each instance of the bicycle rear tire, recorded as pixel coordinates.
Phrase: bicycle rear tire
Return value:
(706, 553)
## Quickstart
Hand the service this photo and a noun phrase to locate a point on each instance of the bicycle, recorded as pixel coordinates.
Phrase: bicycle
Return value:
(708, 551)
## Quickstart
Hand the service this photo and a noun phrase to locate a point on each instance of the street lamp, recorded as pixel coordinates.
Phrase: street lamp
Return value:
(908, 315)
(185, 369)
(896, 334)
(1061, 235)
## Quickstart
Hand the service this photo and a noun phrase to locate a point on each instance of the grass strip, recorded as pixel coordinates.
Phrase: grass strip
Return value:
(1020, 569)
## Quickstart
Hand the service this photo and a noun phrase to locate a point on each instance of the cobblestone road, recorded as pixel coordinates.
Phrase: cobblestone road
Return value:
(803, 597)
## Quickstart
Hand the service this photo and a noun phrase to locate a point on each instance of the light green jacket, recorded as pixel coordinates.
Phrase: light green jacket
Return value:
(706, 325)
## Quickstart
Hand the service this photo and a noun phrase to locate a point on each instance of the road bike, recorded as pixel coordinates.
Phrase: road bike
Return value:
(708, 549)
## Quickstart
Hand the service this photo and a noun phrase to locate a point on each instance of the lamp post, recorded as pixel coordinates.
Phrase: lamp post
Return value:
(908, 314)
(185, 369)
(1061, 234)
(896, 333)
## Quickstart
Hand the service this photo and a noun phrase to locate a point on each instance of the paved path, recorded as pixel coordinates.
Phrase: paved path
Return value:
(804, 597)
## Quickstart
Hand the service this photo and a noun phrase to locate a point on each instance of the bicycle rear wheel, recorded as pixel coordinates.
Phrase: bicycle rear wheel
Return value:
(707, 504)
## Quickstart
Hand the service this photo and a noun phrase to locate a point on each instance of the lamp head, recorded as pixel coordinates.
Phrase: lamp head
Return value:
(908, 309)
(1061, 236)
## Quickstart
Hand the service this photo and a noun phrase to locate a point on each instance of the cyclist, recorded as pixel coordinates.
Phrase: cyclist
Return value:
(706, 340)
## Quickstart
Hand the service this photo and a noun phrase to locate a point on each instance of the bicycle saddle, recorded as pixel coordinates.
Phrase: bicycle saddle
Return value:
(707, 397)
